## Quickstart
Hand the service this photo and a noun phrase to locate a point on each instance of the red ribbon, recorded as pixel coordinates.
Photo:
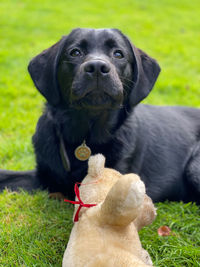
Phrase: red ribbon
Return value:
(80, 202)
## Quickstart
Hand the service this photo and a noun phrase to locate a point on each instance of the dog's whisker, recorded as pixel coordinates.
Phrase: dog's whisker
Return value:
(126, 85)
(126, 79)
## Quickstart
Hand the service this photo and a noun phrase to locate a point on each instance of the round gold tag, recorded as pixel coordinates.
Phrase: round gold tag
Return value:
(82, 152)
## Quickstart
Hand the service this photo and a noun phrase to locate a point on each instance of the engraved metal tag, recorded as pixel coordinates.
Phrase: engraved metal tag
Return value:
(82, 152)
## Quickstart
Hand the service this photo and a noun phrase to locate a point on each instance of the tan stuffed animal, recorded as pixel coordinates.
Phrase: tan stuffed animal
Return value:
(106, 235)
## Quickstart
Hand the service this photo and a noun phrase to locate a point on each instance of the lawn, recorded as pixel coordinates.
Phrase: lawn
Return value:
(34, 229)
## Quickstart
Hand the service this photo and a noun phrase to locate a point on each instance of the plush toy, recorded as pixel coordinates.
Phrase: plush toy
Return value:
(112, 208)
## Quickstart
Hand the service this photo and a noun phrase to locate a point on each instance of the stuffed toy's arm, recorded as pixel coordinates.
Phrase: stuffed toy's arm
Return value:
(147, 213)
(124, 201)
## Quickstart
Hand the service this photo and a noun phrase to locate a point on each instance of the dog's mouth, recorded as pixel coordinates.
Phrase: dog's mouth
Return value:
(97, 101)
(96, 90)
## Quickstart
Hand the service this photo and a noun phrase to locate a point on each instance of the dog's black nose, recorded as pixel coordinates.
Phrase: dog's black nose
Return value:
(97, 66)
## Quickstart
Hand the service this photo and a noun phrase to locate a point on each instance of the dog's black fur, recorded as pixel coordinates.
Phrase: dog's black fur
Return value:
(92, 81)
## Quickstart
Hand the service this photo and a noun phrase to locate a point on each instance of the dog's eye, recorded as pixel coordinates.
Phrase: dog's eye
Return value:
(118, 54)
(75, 53)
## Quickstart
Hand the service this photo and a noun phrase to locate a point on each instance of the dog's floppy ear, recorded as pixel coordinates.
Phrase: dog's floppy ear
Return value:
(43, 71)
(147, 71)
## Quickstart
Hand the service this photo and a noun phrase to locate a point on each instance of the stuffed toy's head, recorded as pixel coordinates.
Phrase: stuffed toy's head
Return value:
(107, 234)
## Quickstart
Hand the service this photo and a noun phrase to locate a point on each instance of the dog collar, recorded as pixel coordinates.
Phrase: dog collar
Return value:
(82, 152)
(63, 153)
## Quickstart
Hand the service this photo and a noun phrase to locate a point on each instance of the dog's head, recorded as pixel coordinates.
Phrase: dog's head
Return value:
(94, 69)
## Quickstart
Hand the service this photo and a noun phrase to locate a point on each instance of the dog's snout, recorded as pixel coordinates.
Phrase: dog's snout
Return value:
(97, 67)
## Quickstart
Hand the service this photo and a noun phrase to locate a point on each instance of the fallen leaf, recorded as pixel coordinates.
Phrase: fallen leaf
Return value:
(164, 231)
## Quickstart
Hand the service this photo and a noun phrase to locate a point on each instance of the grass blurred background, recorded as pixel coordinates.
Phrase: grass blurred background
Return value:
(168, 30)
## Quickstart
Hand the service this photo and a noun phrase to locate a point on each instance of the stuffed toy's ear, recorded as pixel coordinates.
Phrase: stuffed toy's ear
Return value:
(145, 73)
(43, 71)
(96, 165)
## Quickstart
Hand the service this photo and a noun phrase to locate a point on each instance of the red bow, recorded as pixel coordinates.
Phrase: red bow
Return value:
(80, 202)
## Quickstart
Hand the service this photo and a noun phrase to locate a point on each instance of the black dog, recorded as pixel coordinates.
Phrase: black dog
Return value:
(93, 81)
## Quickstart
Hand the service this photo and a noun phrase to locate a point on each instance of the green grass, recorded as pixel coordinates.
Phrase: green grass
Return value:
(34, 229)
(182, 247)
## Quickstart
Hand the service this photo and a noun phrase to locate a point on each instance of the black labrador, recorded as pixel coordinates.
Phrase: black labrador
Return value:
(93, 80)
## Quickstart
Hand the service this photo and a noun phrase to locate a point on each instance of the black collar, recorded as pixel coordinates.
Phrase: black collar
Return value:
(63, 152)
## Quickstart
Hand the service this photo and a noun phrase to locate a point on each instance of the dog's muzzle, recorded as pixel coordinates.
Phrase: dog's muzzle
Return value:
(97, 85)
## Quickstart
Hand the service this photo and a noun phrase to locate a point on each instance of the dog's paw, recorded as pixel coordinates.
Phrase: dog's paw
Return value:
(56, 195)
